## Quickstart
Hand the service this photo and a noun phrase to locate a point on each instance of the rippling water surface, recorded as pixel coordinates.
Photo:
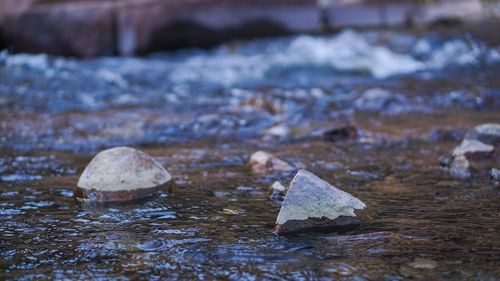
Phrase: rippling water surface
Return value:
(202, 113)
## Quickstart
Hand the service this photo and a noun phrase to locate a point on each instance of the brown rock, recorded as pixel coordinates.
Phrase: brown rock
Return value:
(82, 29)
(340, 133)
(13, 6)
(158, 25)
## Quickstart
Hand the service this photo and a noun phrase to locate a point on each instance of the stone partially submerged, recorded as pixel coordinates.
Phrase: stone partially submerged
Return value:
(488, 133)
(263, 162)
(121, 174)
(313, 203)
(476, 154)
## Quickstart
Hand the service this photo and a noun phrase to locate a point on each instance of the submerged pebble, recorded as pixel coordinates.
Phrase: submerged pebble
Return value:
(121, 174)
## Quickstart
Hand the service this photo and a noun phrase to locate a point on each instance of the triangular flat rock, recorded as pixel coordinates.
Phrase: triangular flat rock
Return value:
(310, 197)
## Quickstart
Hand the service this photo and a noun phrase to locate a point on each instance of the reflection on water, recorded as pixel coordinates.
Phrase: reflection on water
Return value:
(201, 114)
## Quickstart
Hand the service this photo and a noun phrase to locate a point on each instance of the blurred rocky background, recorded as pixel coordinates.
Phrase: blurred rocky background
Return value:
(88, 28)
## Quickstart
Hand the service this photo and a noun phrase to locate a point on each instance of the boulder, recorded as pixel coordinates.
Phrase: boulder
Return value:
(263, 162)
(313, 203)
(82, 29)
(121, 174)
(145, 26)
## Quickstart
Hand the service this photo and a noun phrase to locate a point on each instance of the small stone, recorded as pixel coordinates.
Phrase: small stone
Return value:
(278, 192)
(313, 203)
(277, 196)
(277, 186)
(472, 157)
(423, 263)
(488, 133)
(374, 99)
(460, 167)
(262, 162)
(495, 176)
(121, 174)
(262, 104)
(280, 131)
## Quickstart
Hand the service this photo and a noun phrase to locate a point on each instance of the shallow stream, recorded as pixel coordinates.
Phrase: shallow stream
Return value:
(202, 113)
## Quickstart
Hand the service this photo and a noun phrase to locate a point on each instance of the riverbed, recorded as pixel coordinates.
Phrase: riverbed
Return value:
(202, 113)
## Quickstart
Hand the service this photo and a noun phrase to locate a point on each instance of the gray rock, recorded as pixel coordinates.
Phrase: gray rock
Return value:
(121, 174)
(278, 191)
(263, 162)
(277, 186)
(488, 133)
(460, 167)
(470, 158)
(312, 202)
(375, 99)
(473, 149)
(495, 176)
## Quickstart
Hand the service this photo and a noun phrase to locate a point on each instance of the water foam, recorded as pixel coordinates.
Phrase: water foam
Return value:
(349, 51)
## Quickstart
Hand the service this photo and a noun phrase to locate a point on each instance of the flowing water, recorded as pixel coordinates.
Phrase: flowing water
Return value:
(202, 113)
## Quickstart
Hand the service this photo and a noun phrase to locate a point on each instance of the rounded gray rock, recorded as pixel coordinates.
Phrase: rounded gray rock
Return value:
(121, 174)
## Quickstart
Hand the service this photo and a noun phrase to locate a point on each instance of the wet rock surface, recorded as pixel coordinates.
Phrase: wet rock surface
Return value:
(313, 203)
(121, 174)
